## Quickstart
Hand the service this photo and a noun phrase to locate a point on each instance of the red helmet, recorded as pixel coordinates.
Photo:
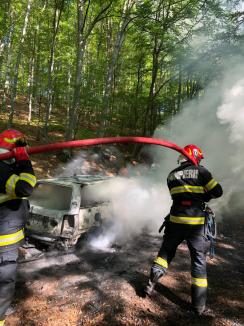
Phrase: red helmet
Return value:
(194, 151)
(10, 137)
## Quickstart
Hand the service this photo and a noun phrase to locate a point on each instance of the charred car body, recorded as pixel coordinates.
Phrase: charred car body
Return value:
(63, 209)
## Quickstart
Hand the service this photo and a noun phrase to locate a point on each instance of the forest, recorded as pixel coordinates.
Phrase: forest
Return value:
(168, 69)
(99, 68)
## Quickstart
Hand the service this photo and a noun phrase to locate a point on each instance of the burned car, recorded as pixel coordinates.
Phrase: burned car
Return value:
(65, 208)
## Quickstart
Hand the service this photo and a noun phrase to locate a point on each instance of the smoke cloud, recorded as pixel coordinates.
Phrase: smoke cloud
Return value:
(135, 204)
(214, 122)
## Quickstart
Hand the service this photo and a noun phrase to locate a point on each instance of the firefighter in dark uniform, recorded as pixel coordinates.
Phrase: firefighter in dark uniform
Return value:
(190, 186)
(17, 181)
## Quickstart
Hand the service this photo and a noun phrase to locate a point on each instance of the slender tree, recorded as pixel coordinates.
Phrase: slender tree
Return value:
(17, 63)
(57, 11)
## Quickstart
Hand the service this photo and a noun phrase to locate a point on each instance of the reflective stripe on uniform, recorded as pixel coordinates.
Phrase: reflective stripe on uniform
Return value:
(2, 322)
(11, 183)
(187, 188)
(160, 261)
(211, 184)
(4, 197)
(11, 140)
(29, 178)
(187, 220)
(12, 238)
(202, 282)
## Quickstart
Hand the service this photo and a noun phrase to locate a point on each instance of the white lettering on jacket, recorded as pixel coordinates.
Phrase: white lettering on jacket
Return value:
(185, 174)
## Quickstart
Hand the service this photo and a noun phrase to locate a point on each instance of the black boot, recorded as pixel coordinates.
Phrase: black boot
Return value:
(199, 296)
(199, 310)
(149, 288)
(156, 273)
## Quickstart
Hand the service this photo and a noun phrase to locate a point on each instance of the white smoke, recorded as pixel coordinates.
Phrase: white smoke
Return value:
(231, 112)
(214, 122)
(135, 201)
(79, 165)
(135, 204)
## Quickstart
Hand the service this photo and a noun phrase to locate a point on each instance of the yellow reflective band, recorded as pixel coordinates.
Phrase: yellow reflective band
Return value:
(161, 262)
(187, 188)
(4, 198)
(11, 140)
(2, 322)
(202, 282)
(211, 184)
(9, 239)
(29, 178)
(11, 183)
(187, 220)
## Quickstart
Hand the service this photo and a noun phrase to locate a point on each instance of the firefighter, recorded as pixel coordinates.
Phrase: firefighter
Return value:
(17, 181)
(190, 186)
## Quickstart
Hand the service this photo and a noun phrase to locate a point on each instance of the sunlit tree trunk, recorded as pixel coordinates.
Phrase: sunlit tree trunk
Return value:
(82, 12)
(31, 77)
(179, 93)
(148, 118)
(125, 20)
(17, 64)
(5, 35)
(7, 61)
(55, 26)
(84, 31)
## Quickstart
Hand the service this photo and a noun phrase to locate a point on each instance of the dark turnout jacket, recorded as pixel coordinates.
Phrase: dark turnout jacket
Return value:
(190, 187)
(17, 181)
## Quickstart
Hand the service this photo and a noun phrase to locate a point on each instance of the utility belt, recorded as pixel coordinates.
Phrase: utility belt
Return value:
(190, 203)
(210, 227)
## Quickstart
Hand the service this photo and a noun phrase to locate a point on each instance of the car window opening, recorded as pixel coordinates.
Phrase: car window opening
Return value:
(52, 196)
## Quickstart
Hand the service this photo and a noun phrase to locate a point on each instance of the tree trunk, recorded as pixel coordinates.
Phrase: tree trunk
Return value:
(56, 20)
(68, 100)
(16, 68)
(31, 78)
(179, 93)
(148, 119)
(125, 20)
(137, 92)
(81, 43)
(84, 31)
(6, 31)
(6, 86)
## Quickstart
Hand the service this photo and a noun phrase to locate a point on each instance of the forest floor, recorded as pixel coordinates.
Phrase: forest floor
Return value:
(90, 287)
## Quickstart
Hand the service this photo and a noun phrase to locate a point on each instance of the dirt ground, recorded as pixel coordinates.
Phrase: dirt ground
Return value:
(91, 287)
(99, 288)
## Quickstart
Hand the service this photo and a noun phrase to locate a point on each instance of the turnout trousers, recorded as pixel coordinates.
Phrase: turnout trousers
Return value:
(198, 247)
(8, 265)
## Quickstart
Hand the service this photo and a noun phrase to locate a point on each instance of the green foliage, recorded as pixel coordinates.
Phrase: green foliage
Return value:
(85, 133)
(167, 45)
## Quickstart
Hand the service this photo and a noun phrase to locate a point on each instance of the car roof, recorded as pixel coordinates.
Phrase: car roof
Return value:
(77, 179)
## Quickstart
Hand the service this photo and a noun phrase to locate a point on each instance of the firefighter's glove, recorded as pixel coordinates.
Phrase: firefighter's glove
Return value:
(207, 197)
(21, 142)
(21, 154)
(165, 223)
(161, 227)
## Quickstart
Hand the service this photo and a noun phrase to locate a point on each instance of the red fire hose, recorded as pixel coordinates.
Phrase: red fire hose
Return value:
(99, 141)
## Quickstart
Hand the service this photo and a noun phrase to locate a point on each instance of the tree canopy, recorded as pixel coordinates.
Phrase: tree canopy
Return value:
(111, 67)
